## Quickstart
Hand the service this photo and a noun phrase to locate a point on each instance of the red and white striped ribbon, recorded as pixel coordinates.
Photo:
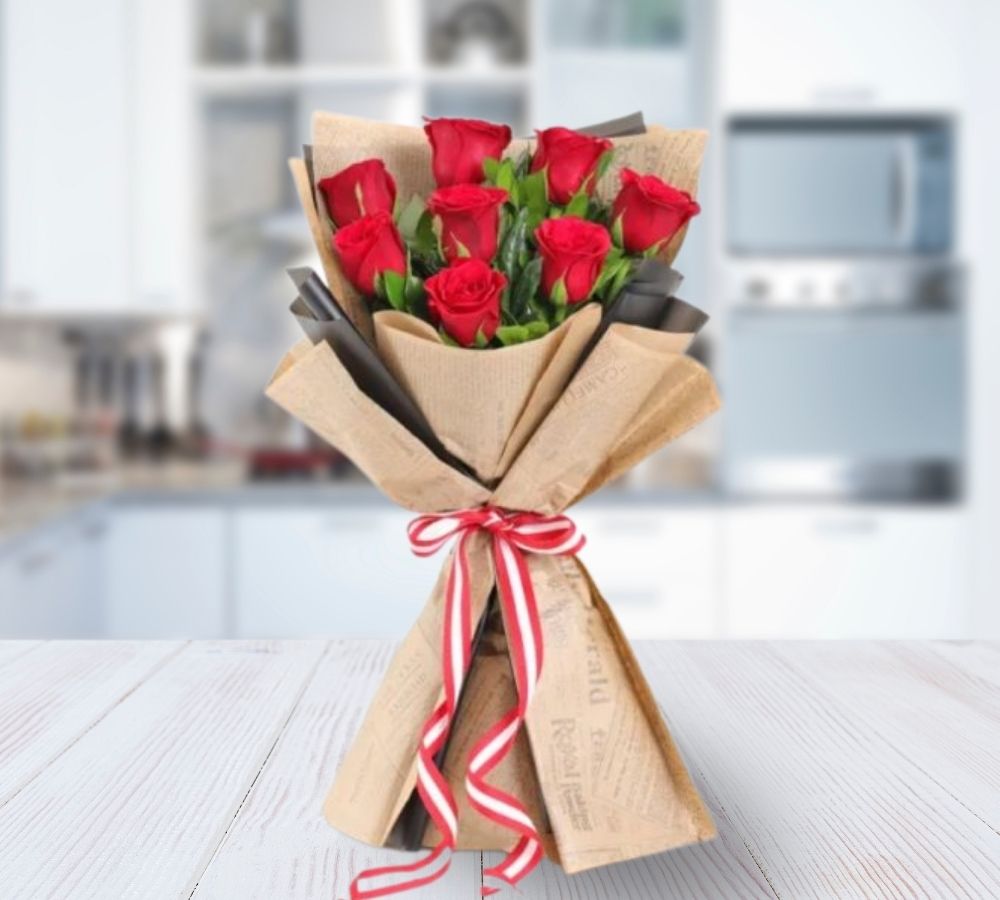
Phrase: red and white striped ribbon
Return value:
(513, 534)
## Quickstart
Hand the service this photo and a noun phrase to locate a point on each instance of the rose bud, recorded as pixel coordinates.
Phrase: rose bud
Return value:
(362, 189)
(651, 211)
(573, 251)
(459, 147)
(570, 160)
(470, 219)
(464, 299)
(368, 247)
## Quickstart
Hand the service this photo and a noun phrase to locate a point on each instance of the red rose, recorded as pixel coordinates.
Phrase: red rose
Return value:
(459, 147)
(368, 247)
(573, 250)
(360, 190)
(651, 211)
(570, 160)
(470, 217)
(465, 300)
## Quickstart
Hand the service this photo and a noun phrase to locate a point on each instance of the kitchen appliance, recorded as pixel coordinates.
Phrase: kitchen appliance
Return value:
(844, 372)
(844, 186)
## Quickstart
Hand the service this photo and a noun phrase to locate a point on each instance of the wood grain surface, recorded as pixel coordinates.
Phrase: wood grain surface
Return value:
(171, 770)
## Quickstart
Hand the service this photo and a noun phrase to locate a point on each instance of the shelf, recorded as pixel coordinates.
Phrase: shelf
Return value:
(238, 79)
(247, 78)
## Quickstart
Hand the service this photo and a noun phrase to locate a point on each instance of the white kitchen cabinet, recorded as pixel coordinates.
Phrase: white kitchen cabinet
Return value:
(848, 54)
(166, 571)
(50, 581)
(657, 567)
(94, 215)
(839, 572)
(333, 572)
(65, 212)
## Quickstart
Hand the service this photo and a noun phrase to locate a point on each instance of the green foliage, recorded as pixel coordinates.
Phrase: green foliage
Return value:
(524, 289)
(394, 289)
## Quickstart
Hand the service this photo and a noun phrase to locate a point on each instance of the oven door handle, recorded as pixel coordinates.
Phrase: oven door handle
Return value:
(905, 184)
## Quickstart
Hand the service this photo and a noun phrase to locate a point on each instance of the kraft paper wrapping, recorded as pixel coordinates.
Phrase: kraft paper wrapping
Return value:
(596, 766)
(610, 783)
(449, 384)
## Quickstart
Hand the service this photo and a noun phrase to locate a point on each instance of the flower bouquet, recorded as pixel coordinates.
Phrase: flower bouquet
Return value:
(501, 338)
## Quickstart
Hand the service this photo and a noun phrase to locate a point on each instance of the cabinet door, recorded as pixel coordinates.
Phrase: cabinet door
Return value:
(48, 583)
(787, 54)
(845, 573)
(65, 84)
(344, 572)
(166, 572)
(161, 141)
(657, 568)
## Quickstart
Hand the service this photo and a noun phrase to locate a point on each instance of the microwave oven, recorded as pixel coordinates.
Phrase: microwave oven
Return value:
(839, 187)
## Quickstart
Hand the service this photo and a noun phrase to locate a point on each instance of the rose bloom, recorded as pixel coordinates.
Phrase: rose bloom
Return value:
(570, 160)
(465, 299)
(651, 210)
(573, 250)
(459, 147)
(362, 189)
(368, 247)
(470, 216)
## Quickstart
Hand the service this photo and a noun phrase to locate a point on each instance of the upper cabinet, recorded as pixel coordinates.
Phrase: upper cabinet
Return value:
(839, 54)
(93, 159)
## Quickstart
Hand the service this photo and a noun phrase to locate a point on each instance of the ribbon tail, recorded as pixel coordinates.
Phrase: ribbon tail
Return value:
(409, 884)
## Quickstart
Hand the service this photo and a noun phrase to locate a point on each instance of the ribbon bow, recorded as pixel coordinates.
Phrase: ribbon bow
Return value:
(513, 535)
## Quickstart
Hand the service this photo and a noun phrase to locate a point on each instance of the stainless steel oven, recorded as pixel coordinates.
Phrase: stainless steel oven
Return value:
(844, 369)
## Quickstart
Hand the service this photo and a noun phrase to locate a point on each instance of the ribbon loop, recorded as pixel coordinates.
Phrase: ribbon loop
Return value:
(513, 534)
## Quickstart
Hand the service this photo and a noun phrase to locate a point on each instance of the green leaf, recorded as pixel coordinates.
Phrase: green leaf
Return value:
(616, 232)
(620, 279)
(505, 176)
(525, 288)
(491, 167)
(608, 269)
(604, 162)
(512, 334)
(394, 286)
(513, 245)
(536, 328)
(447, 338)
(578, 204)
(532, 193)
(461, 249)
(409, 216)
(559, 295)
(481, 341)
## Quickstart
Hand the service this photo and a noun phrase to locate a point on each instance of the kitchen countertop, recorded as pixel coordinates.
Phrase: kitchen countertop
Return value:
(27, 505)
(166, 770)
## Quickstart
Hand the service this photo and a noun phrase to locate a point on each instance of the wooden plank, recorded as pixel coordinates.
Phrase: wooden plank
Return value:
(825, 806)
(979, 659)
(11, 650)
(138, 804)
(929, 709)
(279, 844)
(53, 694)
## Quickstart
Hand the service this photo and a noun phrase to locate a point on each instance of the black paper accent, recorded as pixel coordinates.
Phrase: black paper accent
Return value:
(323, 319)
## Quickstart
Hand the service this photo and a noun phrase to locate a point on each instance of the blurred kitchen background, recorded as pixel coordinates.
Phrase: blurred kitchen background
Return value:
(847, 253)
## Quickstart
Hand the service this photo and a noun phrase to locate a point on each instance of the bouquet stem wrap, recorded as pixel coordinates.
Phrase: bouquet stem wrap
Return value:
(512, 534)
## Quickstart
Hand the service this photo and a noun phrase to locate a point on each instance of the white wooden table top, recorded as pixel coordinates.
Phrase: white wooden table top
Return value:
(197, 770)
